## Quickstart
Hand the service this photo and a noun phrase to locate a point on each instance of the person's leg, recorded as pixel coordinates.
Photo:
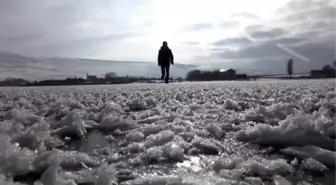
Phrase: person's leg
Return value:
(167, 73)
(162, 72)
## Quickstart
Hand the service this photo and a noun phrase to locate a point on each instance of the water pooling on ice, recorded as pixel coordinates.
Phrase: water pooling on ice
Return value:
(190, 133)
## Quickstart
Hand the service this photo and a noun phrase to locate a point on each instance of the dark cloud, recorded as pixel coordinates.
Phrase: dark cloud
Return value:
(259, 51)
(233, 41)
(197, 27)
(267, 34)
(322, 13)
(312, 24)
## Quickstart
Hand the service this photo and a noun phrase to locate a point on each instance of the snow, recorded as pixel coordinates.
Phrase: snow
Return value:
(183, 134)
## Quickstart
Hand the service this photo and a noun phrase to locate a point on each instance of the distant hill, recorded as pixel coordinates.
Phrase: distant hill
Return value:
(13, 65)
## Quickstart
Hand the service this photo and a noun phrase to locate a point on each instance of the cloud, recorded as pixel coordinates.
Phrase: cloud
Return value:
(66, 28)
(110, 29)
(197, 27)
(82, 47)
(233, 41)
(229, 24)
(259, 51)
(244, 15)
(191, 43)
(313, 28)
(267, 34)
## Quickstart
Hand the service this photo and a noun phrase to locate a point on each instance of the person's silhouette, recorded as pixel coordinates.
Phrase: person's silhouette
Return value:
(165, 58)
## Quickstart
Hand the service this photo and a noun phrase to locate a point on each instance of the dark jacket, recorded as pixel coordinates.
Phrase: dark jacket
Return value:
(165, 57)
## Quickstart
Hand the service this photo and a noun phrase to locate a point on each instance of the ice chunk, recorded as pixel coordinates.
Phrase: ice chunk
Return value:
(278, 180)
(136, 147)
(50, 176)
(68, 160)
(155, 180)
(135, 136)
(187, 136)
(110, 138)
(14, 160)
(159, 139)
(73, 126)
(264, 167)
(206, 146)
(6, 181)
(110, 108)
(326, 157)
(154, 154)
(136, 104)
(110, 124)
(215, 131)
(125, 175)
(230, 174)
(76, 105)
(193, 164)
(29, 140)
(174, 151)
(75, 130)
(151, 129)
(294, 131)
(254, 181)
(107, 175)
(312, 164)
(226, 163)
(150, 120)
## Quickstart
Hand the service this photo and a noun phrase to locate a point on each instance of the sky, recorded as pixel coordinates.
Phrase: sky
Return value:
(257, 35)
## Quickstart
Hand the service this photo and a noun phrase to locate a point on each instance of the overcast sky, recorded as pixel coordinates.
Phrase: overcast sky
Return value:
(239, 33)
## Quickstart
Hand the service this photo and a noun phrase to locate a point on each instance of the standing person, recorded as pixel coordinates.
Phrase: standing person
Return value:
(165, 58)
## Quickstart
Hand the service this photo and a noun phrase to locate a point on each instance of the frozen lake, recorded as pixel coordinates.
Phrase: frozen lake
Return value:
(201, 133)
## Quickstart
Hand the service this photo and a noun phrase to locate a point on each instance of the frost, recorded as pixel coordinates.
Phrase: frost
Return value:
(200, 133)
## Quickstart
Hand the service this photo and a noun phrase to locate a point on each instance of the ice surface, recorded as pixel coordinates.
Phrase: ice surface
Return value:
(202, 133)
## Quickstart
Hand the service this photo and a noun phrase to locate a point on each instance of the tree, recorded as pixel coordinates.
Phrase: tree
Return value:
(110, 75)
(194, 75)
(326, 68)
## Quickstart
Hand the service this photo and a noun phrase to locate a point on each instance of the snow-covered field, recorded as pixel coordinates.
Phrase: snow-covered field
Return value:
(270, 132)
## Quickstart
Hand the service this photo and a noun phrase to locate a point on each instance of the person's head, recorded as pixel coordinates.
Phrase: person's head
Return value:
(165, 44)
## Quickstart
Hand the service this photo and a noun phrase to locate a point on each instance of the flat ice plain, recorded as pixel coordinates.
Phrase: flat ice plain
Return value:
(200, 133)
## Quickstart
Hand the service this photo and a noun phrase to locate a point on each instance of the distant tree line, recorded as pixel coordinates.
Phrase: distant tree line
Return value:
(326, 71)
(230, 74)
(109, 78)
(13, 82)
